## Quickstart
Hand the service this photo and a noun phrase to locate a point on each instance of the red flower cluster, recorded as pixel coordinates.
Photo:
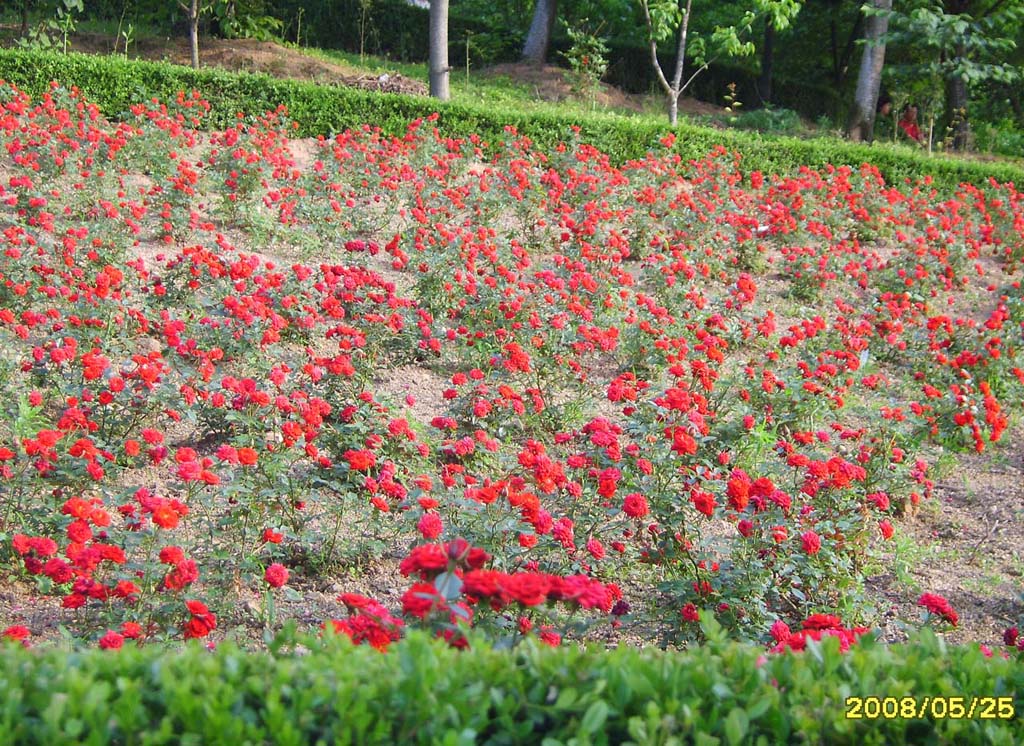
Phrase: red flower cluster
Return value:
(1013, 638)
(429, 560)
(815, 627)
(368, 622)
(17, 633)
(201, 623)
(938, 606)
(534, 588)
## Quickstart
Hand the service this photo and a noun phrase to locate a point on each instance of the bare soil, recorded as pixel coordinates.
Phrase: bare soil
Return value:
(252, 56)
(967, 544)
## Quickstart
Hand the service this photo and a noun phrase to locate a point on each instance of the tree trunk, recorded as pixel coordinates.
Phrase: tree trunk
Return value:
(439, 50)
(24, 17)
(764, 80)
(862, 119)
(538, 39)
(192, 11)
(674, 88)
(956, 107)
(193, 33)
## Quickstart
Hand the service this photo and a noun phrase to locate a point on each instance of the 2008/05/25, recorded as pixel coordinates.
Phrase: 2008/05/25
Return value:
(955, 708)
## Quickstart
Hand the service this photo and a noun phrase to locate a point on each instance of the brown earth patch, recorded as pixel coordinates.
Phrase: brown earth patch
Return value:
(965, 544)
(252, 56)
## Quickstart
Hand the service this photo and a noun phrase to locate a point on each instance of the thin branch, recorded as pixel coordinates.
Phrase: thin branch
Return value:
(654, 48)
(681, 49)
(697, 72)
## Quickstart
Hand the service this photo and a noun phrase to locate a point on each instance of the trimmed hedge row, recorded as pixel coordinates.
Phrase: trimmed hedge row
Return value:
(421, 691)
(114, 84)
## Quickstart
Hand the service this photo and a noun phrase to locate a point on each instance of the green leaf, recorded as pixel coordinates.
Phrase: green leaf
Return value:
(736, 725)
(759, 708)
(595, 717)
(566, 699)
(449, 585)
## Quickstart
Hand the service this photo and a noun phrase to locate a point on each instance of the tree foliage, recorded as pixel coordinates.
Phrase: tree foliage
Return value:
(968, 45)
(672, 19)
(951, 48)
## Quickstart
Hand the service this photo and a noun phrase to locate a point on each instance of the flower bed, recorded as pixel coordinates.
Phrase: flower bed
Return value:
(661, 389)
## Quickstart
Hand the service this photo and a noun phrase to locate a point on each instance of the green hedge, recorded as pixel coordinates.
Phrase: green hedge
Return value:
(421, 691)
(114, 84)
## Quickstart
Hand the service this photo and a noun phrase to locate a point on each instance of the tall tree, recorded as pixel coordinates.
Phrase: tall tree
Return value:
(862, 117)
(439, 50)
(668, 19)
(538, 38)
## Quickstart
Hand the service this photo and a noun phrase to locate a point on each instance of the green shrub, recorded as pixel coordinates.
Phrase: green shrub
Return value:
(1004, 137)
(114, 84)
(421, 691)
(768, 119)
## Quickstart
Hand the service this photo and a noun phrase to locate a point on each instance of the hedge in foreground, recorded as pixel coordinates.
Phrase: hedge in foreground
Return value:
(423, 692)
(114, 84)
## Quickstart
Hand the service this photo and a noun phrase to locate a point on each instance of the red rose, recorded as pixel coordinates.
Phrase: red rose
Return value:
(738, 491)
(430, 525)
(939, 606)
(1010, 636)
(131, 630)
(171, 555)
(360, 460)
(16, 632)
(184, 573)
(528, 588)
(276, 575)
(822, 621)
(421, 599)
(704, 502)
(549, 637)
(74, 601)
(811, 542)
(482, 583)
(202, 621)
(112, 640)
(425, 559)
(635, 505)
